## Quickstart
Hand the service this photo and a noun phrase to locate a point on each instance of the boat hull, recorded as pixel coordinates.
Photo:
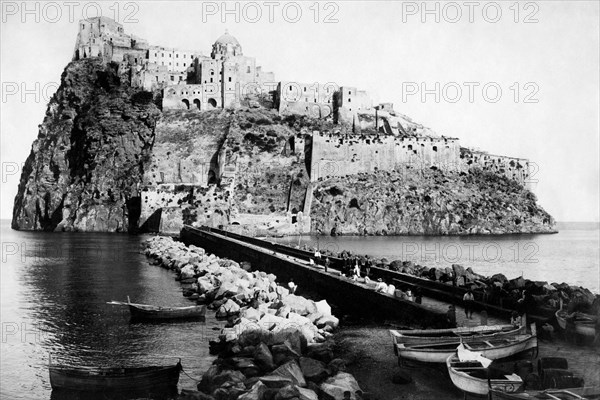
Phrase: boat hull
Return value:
(581, 393)
(114, 379)
(446, 335)
(440, 354)
(151, 313)
(476, 385)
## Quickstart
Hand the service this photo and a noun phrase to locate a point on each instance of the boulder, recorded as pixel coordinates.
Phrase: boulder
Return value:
(327, 320)
(227, 289)
(313, 317)
(334, 387)
(205, 384)
(251, 314)
(256, 392)
(299, 304)
(458, 270)
(187, 394)
(323, 307)
(264, 358)
(255, 337)
(294, 337)
(228, 309)
(298, 319)
(287, 393)
(227, 377)
(313, 370)
(205, 285)
(307, 394)
(273, 322)
(283, 353)
(283, 311)
(291, 370)
(275, 381)
(320, 351)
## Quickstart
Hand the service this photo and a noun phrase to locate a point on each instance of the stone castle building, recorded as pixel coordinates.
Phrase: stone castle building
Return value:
(375, 137)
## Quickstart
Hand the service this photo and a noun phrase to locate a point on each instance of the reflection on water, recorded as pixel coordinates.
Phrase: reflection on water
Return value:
(54, 289)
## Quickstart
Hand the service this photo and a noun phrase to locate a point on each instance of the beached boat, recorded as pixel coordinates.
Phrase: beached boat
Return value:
(473, 377)
(492, 348)
(426, 336)
(585, 324)
(116, 379)
(581, 393)
(145, 312)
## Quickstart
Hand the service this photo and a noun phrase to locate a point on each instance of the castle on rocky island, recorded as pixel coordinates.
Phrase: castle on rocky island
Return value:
(371, 137)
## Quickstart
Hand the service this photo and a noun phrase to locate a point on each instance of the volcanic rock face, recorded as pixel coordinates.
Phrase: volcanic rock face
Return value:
(86, 165)
(427, 202)
(107, 160)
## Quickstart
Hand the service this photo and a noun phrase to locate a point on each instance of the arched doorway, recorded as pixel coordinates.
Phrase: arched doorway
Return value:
(186, 102)
(197, 104)
(212, 103)
(212, 179)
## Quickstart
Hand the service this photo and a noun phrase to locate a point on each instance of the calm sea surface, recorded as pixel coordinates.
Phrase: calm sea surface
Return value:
(54, 289)
(571, 256)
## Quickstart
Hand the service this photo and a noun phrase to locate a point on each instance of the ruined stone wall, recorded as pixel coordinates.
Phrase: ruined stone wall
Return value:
(510, 167)
(188, 97)
(314, 100)
(336, 156)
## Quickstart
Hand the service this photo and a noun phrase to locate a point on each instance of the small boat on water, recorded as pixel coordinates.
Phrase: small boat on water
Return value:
(425, 336)
(585, 324)
(581, 393)
(472, 376)
(114, 379)
(146, 312)
(492, 348)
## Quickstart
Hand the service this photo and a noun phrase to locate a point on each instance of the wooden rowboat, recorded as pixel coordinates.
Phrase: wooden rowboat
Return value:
(114, 379)
(425, 336)
(472, 377)
(585, 324)
(581, 393)
(145, 312)
(492, 348)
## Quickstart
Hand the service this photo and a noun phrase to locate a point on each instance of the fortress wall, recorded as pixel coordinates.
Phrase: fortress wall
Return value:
(184, 204)
(314, 100)
(198, 97)
(511, 167)
(350, 155)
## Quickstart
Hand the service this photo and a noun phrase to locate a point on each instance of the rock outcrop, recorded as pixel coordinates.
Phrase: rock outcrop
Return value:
(426, 202)
(86, 165)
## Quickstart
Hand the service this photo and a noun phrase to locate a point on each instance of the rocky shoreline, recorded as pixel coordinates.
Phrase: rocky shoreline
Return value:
(276, 345)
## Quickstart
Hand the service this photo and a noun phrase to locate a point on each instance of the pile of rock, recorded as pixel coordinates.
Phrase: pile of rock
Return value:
(276, 345)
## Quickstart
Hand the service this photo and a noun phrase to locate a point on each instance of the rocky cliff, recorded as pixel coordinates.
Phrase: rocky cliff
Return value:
(427, 202)
(108, 160)
(85, 166)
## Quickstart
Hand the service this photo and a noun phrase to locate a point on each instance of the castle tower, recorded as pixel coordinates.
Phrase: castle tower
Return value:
(226, 46)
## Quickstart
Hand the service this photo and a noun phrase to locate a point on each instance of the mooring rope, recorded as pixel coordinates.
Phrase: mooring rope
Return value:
(194, 379)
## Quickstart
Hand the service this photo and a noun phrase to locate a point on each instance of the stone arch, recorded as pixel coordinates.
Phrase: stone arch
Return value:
(186, 102)
(212, 177)
(197, 104)
(212, 103)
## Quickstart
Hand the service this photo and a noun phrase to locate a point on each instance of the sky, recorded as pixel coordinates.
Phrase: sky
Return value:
(512, 78)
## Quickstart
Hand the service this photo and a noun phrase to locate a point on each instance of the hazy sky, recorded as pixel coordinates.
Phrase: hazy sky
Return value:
(543, 57)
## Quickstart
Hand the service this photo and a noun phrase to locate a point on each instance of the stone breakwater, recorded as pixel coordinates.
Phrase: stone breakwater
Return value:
(276, 345)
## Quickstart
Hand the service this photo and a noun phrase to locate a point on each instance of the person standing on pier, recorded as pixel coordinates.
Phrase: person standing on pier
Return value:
(356, 271)
(469, 302)
(317, 257)
(327, 263)
(368, 264)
